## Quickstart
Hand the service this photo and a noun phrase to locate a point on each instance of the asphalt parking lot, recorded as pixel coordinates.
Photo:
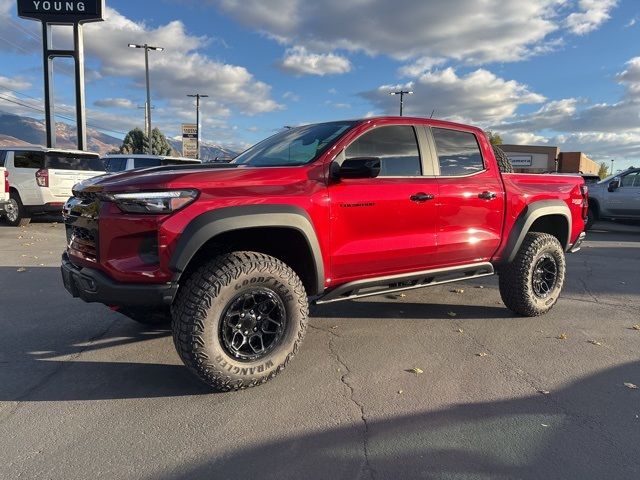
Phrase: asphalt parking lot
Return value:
(86, 393)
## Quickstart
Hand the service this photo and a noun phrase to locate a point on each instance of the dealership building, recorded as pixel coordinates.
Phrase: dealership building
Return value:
(542, 159)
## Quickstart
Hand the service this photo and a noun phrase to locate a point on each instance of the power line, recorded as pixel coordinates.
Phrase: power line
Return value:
(60, 116)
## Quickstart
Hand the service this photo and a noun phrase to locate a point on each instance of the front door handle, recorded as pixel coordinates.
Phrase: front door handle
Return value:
(421, 197)
(486, 195)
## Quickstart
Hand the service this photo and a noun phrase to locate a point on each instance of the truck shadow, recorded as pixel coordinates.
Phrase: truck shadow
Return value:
(587, 430)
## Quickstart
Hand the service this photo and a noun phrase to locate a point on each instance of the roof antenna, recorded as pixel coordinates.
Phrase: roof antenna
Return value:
(432, 112)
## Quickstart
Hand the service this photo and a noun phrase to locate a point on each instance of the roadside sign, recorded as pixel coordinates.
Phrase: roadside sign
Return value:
(521, 160)
(66, 12)
(190, 140)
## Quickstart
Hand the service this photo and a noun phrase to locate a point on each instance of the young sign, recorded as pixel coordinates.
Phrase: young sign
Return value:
(66, 12)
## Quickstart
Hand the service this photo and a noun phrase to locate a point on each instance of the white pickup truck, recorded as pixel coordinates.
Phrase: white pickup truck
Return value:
(41, 179)
(4, 187)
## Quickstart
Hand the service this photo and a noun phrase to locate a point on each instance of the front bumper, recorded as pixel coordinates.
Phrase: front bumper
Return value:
(576, 246)
(94, 286)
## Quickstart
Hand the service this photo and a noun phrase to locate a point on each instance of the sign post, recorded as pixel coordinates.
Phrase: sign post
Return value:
(190, 140)
(63, 12)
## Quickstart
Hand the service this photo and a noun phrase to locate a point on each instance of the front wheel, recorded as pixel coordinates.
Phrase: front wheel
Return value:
(239, 319)
(531, 284)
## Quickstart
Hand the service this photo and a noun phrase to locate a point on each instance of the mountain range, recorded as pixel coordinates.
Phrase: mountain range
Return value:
(17, 130)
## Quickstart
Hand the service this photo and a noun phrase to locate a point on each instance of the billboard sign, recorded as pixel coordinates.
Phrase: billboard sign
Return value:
(521, 160)
(190, 140)
(65, 12)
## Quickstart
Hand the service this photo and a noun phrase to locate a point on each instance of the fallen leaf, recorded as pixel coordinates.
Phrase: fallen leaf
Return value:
(334, 327)
(337, 369)
(479, 286)
(562, 336)
(21, 269)
(594, 342)
(457, 290)
(416, 370)
(544, 425)
(399, 391)
(544, 392)
(482, 354)
(402, 295)
(452, 314)
(460, 330)
(630, 385)
(636, 326)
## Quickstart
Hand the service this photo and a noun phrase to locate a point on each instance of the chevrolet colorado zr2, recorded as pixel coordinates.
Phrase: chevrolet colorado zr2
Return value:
(233, 254)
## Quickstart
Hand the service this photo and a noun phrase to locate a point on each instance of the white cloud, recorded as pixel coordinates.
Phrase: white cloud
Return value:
(299, 61)
(479, 97)
(420, 66)
(114, 103)
(14, 83)
(592, 14)
(464, 30)
(294, 97)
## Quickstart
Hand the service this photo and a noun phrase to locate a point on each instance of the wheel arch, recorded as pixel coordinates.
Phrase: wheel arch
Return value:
(283, 231)
(545, 216)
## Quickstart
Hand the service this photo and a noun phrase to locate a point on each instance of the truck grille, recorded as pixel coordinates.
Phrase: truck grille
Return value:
(82, 243)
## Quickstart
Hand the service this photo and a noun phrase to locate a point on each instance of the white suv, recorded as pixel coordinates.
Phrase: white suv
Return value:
(41, 179)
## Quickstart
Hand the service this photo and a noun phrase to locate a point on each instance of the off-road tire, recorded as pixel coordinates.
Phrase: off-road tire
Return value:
(200, 305)
(504, 164)
(22, 218)
(516, 278)
(147, 315)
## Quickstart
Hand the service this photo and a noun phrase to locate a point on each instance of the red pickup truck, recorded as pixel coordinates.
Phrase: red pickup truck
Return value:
(334, 211)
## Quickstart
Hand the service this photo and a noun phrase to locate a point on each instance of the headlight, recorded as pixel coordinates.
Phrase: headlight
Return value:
(153, 202)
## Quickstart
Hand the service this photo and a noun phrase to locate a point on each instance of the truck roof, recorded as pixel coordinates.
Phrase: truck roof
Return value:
(38, 148)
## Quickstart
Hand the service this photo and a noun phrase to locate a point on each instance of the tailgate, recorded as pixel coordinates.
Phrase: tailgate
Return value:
(62, 181)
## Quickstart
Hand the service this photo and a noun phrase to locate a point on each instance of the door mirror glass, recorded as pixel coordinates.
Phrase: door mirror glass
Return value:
(358, 167)
(614, 184)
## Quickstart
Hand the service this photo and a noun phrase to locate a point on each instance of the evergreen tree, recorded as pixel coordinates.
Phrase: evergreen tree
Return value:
(137, 142)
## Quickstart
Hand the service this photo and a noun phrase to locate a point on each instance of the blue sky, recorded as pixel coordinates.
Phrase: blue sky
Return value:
(556, 72)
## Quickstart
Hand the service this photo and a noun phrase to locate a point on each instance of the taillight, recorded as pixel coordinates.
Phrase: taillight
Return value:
(6, 181)
(584, 190)
(42, 177)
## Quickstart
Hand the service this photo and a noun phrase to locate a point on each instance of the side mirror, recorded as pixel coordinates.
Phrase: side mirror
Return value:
(614, 184)
(357, 167)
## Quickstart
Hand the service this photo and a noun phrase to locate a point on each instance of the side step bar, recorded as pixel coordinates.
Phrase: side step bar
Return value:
(398, 283)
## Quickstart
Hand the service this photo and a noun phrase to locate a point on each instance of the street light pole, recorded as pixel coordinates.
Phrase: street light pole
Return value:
(612, 166)
(402, 93)
(198, 96)
(146, 70)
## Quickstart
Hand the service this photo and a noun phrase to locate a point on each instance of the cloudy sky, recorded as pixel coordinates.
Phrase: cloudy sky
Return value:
(556, 72)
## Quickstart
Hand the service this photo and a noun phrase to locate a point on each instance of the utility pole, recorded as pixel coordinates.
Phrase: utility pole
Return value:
(402, 93)
(148, 104)
(198, 96)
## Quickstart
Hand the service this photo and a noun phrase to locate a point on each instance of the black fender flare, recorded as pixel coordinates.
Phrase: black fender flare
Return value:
(211, 224)
(528, 216)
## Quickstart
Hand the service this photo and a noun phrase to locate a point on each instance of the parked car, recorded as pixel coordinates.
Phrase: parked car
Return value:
(121, 162)
(615, 198)
(320, 213)
(42, 178)
(4, 185)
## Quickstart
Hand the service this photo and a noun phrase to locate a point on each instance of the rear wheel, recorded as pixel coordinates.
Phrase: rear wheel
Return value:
(239, 319)
(531, 284)
(15, 213)
(591, 218)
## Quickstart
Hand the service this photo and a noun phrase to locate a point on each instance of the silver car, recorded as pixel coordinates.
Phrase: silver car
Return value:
(616, 197)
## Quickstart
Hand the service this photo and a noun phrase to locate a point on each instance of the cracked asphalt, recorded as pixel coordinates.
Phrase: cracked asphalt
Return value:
(86, 393)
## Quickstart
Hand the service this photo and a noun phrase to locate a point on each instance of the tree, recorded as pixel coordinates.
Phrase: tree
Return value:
(137, 142)
(494, 138)
(604, 170)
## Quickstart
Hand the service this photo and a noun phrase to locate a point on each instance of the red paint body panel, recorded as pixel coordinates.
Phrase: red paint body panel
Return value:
(365, 227)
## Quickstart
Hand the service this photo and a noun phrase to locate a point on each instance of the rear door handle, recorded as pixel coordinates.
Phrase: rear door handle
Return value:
(486, 195)
(421, 197)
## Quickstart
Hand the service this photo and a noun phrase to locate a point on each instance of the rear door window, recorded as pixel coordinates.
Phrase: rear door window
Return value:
(458, 152)
(146, 162)
(64, 161)
(28, 160)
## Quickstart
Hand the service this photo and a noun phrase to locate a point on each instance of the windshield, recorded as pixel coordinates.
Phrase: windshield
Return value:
(295, 146)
